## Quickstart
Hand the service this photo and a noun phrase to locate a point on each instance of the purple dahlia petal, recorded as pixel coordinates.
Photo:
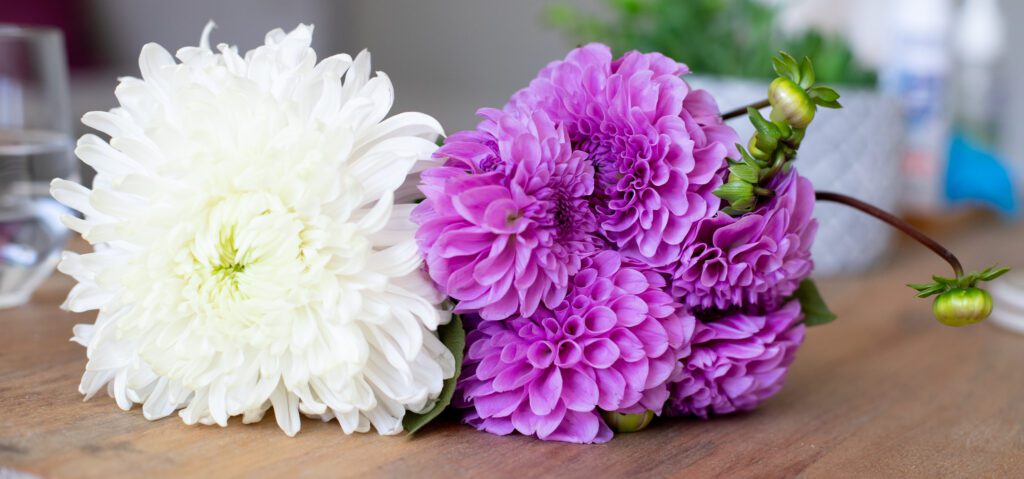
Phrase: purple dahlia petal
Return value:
(736, 361)
(546, 391)
(505, 221)
(581, 428)
(754, 259)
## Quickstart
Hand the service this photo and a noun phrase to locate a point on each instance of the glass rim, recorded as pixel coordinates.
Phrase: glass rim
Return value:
(17, 30)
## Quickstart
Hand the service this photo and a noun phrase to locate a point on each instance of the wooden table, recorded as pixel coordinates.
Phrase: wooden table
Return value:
(883, 391)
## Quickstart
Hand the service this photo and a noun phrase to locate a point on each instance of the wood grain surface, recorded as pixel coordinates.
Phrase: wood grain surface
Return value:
(885, 391)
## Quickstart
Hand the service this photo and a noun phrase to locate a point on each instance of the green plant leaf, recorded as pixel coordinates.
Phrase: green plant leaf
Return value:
(745, 172)
(750, 160)
(786, 70)
(806, 73)
(944, 280)
(736, 193)
(835, 105)
(992, 273)
(921, 286)
(825, 93)
(788, 58)
(453, 336)
(926, 290)
(815, 310)
(763, 126)
(785, 130)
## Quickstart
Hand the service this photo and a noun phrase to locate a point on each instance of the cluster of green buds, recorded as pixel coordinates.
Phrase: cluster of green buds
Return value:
(960, 301)
(772, 148)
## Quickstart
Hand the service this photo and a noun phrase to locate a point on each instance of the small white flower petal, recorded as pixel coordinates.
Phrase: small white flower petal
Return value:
(151, 61)
(410, 123)
(104, 158)
(286, 410)
(356, 76)
(111, 123)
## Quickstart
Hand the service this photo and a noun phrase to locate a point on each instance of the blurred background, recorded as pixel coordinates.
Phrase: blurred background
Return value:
(930, 126)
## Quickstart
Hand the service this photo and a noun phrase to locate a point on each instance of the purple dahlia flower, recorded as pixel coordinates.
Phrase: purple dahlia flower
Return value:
(656, 145)
(754, 259)
(614, 343)
(505, 222)
(736, 362)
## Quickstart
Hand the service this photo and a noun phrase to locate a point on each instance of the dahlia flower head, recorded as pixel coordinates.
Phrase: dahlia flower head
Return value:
(506, 221)
(613, 343)
(736, 361)
(249, 252)
(656, 145)
(754, 260)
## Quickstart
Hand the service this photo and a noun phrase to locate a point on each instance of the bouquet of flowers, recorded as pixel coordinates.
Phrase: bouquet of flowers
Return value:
(599, 251)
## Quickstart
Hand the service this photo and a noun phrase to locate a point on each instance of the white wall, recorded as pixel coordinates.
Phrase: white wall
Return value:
(446, 58)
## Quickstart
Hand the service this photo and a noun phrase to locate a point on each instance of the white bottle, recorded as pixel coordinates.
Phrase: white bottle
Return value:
(916, 70)
(979, 44)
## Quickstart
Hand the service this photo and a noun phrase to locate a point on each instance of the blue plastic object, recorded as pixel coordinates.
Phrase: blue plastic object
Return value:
(976, 175)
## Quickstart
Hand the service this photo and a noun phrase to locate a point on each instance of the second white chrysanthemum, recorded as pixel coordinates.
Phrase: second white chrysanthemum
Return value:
(249, 251)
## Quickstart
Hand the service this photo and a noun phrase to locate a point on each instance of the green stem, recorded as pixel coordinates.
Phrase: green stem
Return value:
(897, 223)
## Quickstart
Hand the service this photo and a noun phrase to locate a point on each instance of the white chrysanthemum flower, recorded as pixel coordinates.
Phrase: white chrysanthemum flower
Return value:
(249, 251)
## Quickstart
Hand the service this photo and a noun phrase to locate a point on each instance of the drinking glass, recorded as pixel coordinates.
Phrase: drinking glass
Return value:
(35, 147)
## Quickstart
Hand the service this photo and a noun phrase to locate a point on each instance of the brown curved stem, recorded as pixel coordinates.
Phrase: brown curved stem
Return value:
(743, 109)
(895, 223)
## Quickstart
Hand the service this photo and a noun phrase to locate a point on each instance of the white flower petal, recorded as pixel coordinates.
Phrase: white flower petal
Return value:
(405, 124)
(286, 410)
(104, 158)
(111, 123)
(151, 61)
(356, 76)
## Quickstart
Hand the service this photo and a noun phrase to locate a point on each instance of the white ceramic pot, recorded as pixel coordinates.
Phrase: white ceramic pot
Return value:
(854, 151)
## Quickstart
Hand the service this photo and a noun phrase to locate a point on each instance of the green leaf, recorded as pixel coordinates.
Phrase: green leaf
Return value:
(815, 310)
(930, 289)
(921, 286)
(735, 191)
(992, 273)
(745, 172)
(806, 73)
(750, 160)
(453, 336)
(785, 70)
(785, 130)
(835, 105)
(823, 92)
(788, 58)
(763, 126)
(944, 280)
(744, 205)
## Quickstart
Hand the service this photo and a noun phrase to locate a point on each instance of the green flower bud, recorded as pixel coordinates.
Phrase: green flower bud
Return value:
(790, 103)
(735, 190)
(620, 422)
(756, 151)
(962, 306)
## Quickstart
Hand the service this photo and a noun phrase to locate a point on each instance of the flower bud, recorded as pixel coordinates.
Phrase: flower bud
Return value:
(735, 190)
(790, 103)
(620, 422)
(962, 306)
(756, 151)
